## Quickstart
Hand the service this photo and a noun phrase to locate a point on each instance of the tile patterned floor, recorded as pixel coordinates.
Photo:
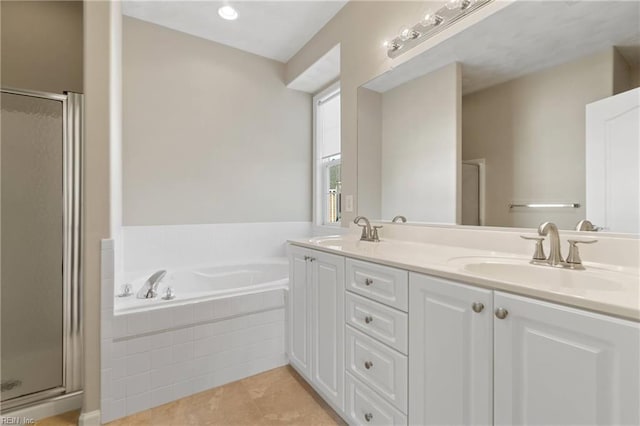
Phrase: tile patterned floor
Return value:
(276, 397)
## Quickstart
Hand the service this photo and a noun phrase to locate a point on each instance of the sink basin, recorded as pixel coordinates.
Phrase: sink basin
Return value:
(520, 271)
(332, 241)
(543, 276)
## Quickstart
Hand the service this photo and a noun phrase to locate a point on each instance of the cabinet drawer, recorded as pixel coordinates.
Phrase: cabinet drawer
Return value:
(365, 407)
(382, 283)
(379, 321)
(378, 366)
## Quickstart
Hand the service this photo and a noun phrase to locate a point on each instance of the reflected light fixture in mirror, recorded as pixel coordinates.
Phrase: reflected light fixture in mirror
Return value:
(227, 12)
(431, 24)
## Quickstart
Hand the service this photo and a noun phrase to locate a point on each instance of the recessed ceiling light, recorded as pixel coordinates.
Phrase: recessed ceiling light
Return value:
(228, 13)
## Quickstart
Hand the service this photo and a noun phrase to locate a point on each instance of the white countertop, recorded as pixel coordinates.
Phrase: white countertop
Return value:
(621, 298)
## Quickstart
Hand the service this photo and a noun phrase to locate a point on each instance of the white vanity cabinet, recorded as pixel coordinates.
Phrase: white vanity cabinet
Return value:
(450, 352)
(376, 344)
(559, 365)
(316, 321)
(474, 352)
(384, 346)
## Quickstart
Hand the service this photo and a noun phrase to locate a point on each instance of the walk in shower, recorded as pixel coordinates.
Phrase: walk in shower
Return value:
(40, 236)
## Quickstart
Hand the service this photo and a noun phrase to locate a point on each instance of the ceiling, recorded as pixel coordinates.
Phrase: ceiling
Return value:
(273, 29)
(525, 37)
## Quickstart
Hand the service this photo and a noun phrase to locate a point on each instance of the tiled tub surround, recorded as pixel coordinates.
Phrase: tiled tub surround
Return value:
(177, 246)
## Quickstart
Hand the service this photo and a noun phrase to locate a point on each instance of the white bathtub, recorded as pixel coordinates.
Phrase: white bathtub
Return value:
(207, 283)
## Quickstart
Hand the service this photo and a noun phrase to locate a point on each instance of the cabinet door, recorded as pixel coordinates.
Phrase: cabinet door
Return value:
(450, 353)
(327, 327)
(299, 312)
(558, 365)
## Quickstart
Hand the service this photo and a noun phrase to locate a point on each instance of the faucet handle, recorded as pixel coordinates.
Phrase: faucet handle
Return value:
(573, 258)
(364, 235)
(374, 237)
(125, 291)
(169, 294)
(538, 253)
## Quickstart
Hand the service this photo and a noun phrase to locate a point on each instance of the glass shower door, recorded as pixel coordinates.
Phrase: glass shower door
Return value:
(32, 220)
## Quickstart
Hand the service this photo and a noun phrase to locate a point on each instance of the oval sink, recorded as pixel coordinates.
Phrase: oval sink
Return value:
(544, 276)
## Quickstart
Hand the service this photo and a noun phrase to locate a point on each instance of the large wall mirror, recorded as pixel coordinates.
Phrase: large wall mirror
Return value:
(530, 115)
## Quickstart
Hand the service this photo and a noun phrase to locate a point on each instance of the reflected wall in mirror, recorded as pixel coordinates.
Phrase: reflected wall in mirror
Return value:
(529, 115)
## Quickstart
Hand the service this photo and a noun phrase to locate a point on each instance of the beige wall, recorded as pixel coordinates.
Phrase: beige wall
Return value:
(421, 148)
(42, 45)
(531, 131)
(210, 133)
(360, 28)
(100, 19)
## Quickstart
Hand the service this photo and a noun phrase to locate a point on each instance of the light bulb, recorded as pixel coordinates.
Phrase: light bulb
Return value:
(405, 34)
(459, 4)
(392, 45)
(228, 13)
(431, 20)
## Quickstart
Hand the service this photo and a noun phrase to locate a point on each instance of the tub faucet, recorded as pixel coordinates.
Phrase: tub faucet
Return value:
(555, 252)
(150, 288)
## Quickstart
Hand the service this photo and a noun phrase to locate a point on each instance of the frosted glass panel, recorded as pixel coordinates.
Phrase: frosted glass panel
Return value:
(32, 221)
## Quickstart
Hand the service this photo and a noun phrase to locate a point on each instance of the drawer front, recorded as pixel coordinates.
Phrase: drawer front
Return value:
(365, 407)
(378, 366)
(378, 321)
(382, 283)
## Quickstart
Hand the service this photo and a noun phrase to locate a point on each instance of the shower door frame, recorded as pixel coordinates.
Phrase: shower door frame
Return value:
(72, 176)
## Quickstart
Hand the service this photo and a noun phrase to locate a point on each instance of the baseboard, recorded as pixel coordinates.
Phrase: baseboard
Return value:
(92, 418)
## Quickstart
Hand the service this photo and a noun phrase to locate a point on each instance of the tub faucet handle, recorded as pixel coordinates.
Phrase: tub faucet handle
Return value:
(169, 294)
(125, 291)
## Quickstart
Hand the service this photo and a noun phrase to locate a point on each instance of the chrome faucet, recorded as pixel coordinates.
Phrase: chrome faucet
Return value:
(369, 233)
(399, 218)
(555, 251)
(150, 288)
(586, 225)
(555, 255)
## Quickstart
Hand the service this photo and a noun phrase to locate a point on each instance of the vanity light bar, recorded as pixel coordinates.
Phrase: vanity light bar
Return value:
(431, 24)
(546, 206)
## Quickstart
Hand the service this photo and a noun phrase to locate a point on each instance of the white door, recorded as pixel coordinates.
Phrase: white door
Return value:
(327, 327)
(556, 365)
(470, 194)
(450, 353)
(299, 312)
(613, 162)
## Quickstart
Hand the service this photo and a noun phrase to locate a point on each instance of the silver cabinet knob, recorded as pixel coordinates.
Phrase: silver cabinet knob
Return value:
(306, 258)
(501, 313)
(368, 281)
(477, 307)
(312, 259)
(368, 319)
(368, 365)
(368, 417)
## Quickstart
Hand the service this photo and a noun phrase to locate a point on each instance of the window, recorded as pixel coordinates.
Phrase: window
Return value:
(327, 170)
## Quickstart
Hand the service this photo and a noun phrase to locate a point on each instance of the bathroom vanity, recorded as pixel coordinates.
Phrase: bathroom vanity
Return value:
(401, 332)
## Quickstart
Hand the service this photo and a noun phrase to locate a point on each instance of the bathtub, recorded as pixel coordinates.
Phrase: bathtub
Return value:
(226, 323)
(194, 285)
